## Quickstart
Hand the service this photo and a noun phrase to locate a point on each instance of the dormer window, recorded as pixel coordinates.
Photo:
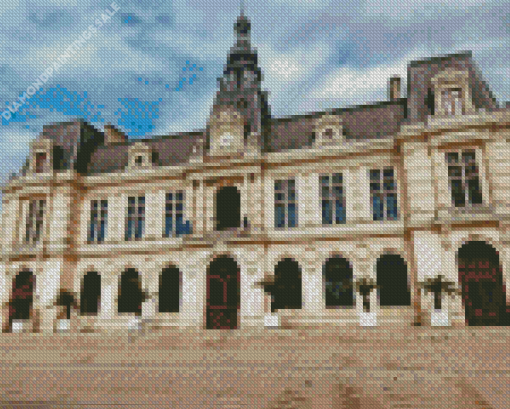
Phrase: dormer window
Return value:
(452, 94)
(40, 162)
(140, 156)
(329, 131)
(452, 101)
(327, 135)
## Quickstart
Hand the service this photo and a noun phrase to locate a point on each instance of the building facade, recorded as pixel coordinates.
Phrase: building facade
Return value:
(392, 213)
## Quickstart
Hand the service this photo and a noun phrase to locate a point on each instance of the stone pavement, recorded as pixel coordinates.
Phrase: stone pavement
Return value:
(348, 367)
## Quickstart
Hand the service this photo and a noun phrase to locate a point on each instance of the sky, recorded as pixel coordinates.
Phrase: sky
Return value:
(152, 67)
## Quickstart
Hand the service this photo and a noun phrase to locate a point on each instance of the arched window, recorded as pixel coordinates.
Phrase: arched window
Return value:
(130, 292)
(169, 290)
(287, 286)
(23, 287)
(337, 274)
(90, 296)
(392, 281)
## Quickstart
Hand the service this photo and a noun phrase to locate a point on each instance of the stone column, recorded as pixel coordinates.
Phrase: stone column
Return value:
(199, 215)
(119, 212)
(455, 307)
(257, 206)
(302, 199)
(150, 284)
(193, 299)
(252, 297)
(9, 222)
(24, 208)
(5, 289)
(312, 295)
(151, 214)
(268, 198)
(314, 201)
(360, 185)
(108, 308)
(441, 180)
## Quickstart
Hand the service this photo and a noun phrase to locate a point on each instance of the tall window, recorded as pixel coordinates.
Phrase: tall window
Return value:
(285, 203)
(333, 199)
(463, 178)
(90, 297)
(40, 160)
(34, 221)
(98, 220)
(452, 101)
(174, 210)
(135, 218)
(383, 191)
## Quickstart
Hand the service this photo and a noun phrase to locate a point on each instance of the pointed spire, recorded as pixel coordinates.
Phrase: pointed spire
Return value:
(242, 27)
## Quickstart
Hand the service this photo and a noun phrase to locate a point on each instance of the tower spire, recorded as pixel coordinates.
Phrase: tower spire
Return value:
(242, 7)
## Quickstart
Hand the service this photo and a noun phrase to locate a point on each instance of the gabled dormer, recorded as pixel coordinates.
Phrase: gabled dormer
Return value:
(141, 156)
(328, 131)
(452, 92)
(41, 156)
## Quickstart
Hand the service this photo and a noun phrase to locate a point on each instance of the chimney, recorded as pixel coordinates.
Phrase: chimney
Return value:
(113, 135)
(394, 88)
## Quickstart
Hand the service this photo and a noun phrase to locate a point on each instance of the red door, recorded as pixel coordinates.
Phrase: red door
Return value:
(483, 295)
(223, 298)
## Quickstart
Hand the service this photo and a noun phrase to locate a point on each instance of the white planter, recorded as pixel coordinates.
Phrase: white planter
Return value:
(368, 319)
(271, 320)
(135, 324)
(19, 326)
(439, 318)
(63, 325)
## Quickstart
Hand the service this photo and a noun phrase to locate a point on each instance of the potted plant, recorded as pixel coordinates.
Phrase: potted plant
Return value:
(364, 286)
(436, 285)
(136, 322)
(271, 318)
(65, 302)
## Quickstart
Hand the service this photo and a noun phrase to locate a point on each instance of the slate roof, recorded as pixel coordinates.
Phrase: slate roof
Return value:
(295, 132)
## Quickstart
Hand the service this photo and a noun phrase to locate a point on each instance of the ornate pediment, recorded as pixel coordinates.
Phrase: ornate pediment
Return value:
(452, 93)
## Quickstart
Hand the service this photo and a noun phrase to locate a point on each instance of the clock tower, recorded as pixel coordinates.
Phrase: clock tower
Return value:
(239, 119)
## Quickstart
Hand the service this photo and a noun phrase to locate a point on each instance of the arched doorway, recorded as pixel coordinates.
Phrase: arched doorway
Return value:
(130, 292)
(23, 287)
(90, 296)
(481, 278)
(393, 287)
(223, 294)
(228, 208)
(337, 279)
(169, 290)
(287, 293)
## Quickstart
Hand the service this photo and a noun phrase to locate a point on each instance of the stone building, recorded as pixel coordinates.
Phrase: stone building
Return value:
(391, 213)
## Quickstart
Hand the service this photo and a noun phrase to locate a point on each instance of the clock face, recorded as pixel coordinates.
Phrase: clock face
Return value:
(226, 139)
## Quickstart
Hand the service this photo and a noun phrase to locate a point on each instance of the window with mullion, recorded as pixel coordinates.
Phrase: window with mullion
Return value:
(135, 218)
(286, 210)
(383, 191)
(98, 220)
(174, 213)
(332, 198)
(463, 178)
(34, 222)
